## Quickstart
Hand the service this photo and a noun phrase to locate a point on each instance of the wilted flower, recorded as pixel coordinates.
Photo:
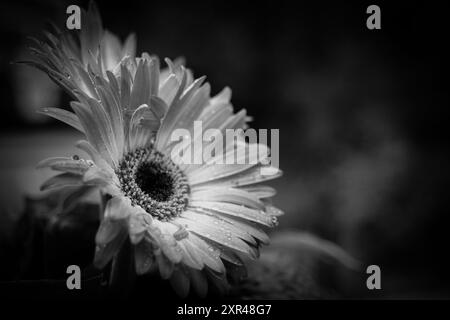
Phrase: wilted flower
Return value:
(187, 221)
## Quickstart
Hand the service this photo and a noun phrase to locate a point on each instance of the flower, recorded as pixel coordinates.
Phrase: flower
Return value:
(190, 222)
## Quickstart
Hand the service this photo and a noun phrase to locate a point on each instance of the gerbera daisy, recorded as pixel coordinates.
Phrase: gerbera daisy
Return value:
(189, 222)
(67, 58)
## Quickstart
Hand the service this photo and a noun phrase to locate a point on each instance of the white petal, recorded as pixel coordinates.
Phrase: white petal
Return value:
(168, 89)
(134, 126)
(65, 116)
(139, 222)
(98, 176)
(103, 121)
(206, 227)
(107, 231)
(118, 208)
(244, 230)
(248, 177)
(129, 48)
(273, 211)
(62, 180)
(219, 167)
(210, 255)
(192, 256)
(140, 92)
(230, 195)
(233, 210)
(65, 164)
(94, 154)
(94, 133)
(110, 50)
(191, 106)
(223, 96)
(261, 191)
(178, 109)
(167, 242)
(114, 111)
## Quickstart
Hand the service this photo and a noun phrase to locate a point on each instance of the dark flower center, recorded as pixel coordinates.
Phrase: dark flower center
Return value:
(152, 181)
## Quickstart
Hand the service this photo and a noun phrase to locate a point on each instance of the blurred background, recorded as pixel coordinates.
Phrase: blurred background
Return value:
(363, 118)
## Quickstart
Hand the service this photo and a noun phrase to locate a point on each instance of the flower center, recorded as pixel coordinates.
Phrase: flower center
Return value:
(152, 181)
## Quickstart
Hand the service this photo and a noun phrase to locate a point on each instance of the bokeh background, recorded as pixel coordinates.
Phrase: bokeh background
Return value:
(363, 117)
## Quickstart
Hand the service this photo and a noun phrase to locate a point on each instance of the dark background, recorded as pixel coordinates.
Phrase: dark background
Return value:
(363, 115)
